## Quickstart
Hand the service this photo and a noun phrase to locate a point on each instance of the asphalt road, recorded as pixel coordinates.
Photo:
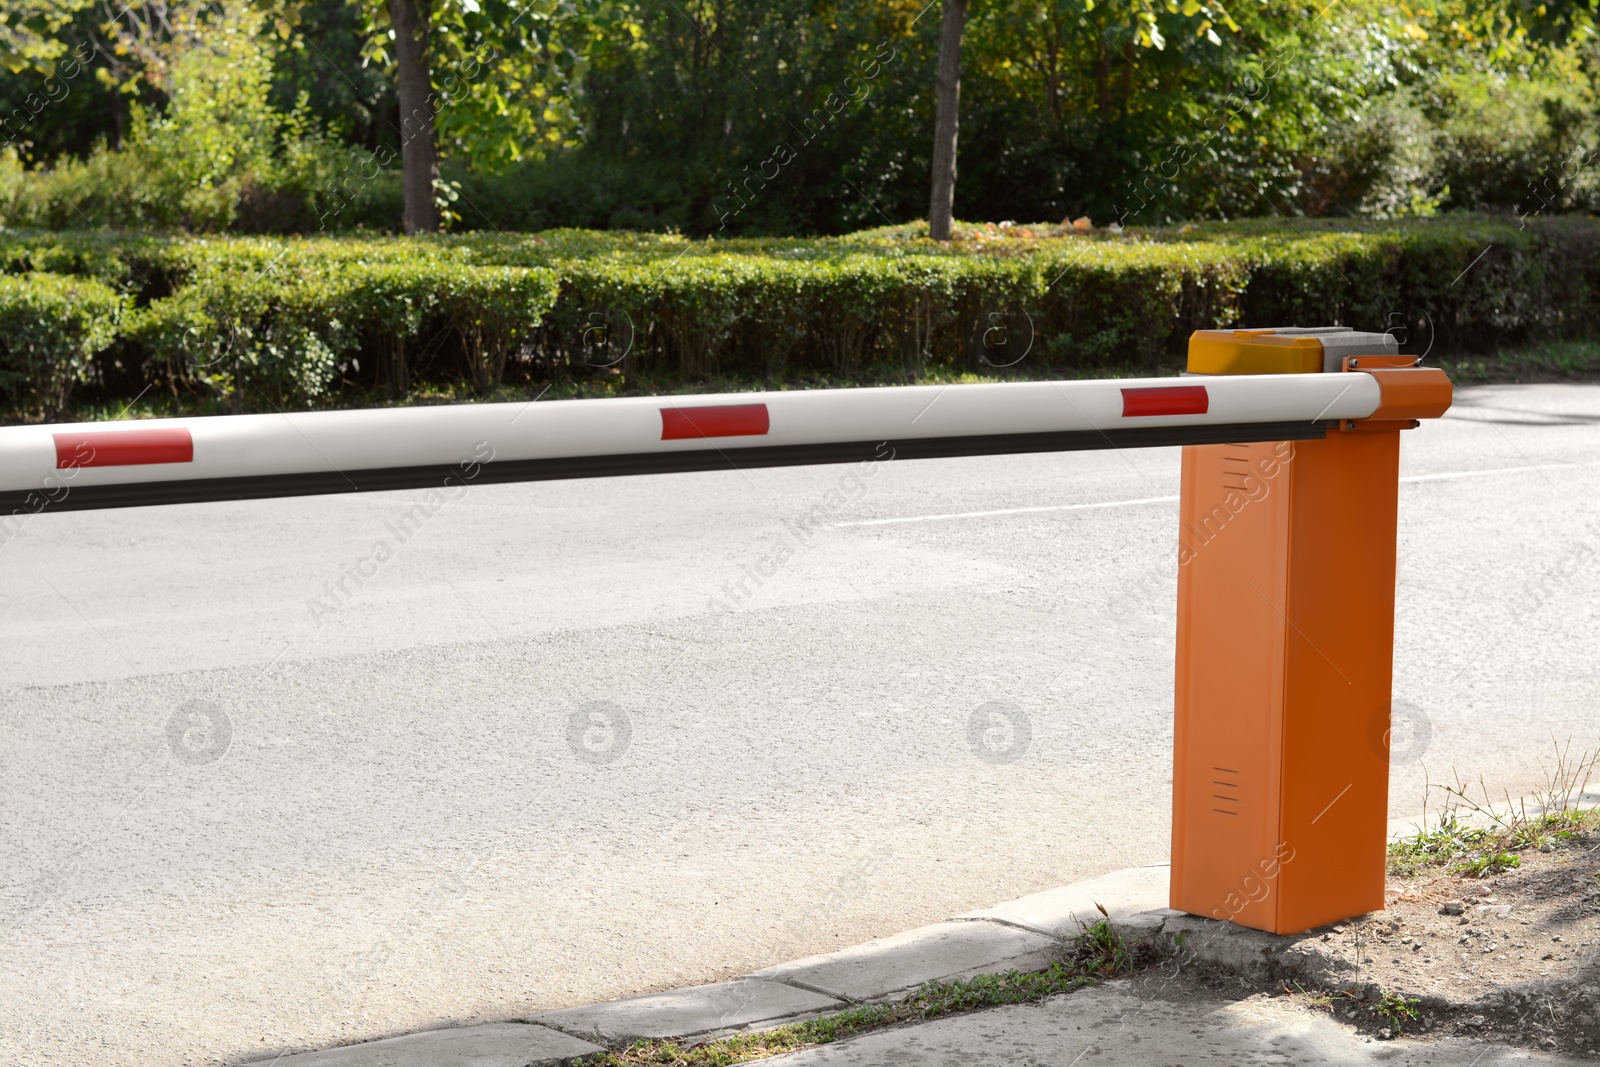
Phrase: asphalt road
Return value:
(569, 741)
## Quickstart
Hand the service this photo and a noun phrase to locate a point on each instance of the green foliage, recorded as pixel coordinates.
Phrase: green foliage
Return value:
(1482, 865)
(1553, 361)
(218, 126)
(1100, 951)
(106, 189)
(1075, 117)
(1129, 112)
(575, 189)
(492, 310)
(11, 179)
(185, 165)
(509, 72)
(318, 183)
(1382, 163)
(58, 109)
(270, 339)
(318, 68)
(1552, 817)
(1428, 848)
(279, 328)
(29, 32)
(1553, 828)
(1398, 1010)
(833, 307)
(764, 117)
(1505, 140)
(275, 321)
(50, 329)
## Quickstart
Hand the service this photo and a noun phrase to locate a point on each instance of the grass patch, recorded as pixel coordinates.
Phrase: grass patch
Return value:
(1482, 852)
(1500, 830)
(1487, 863)
(1100, 953)
(1448, 841)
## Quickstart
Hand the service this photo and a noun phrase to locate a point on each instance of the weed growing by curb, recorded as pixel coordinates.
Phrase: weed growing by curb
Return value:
(1099, 953)
(1316, 998)
(1505, 829)
(1397, 1010)
(1487, 864)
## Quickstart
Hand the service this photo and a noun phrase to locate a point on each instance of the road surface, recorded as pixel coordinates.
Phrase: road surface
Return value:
(290, 773)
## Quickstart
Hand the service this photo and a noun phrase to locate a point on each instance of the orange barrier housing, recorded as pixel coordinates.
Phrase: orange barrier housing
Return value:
(1285, 650)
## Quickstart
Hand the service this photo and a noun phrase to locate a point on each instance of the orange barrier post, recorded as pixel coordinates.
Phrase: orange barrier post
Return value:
(1285, 643)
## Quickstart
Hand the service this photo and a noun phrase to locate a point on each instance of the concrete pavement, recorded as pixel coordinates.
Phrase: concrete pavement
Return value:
(573, 741)
(1150, 1023)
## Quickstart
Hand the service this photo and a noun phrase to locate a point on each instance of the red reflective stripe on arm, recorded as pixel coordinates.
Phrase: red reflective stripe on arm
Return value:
(1165, 400)
(123, 448)
(723, 420)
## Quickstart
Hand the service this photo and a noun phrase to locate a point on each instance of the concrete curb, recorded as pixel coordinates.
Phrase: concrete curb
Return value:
(1060, 912)
(1025, 935)
(689, 1012)
(489, 1045)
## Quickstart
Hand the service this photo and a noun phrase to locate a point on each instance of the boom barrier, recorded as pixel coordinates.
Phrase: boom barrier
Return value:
(1290, 476)
(232, 457)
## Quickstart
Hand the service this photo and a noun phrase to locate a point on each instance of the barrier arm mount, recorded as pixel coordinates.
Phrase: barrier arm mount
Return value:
(1285, 636)
(1285, 642)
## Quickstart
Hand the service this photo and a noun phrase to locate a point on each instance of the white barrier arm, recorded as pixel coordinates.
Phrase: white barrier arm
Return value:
(156, 461)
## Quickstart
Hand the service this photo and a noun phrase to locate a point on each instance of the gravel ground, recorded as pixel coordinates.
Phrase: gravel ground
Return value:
(1512, 956)
(1509, 959)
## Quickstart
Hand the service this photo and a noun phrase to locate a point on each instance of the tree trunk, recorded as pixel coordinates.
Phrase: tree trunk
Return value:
(947, 105)
(419, 162)
(1102, 71)
(1052, 81)
(1127, 81)
(1128, 52)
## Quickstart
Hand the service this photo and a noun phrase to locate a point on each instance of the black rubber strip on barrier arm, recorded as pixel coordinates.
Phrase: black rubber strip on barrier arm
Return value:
(19, 502)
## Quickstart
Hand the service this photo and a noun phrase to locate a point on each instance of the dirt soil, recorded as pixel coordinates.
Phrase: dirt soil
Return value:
(1513, 957)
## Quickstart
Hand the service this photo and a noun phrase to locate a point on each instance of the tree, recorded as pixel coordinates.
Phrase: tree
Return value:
(29, 32)
(946, 119)
(1112, 36)
(492, 80)
(419, 158)
(509, 74)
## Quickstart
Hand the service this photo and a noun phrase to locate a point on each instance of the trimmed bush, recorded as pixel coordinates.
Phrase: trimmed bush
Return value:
(257, 340)
(286, 334)
(295, 319)
(51, 327)
(890, 301)
(493, 311)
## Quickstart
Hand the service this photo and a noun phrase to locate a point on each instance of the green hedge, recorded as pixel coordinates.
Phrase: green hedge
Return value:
(51, 327)
(278, 336)
(282, 321)
(834, 307)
